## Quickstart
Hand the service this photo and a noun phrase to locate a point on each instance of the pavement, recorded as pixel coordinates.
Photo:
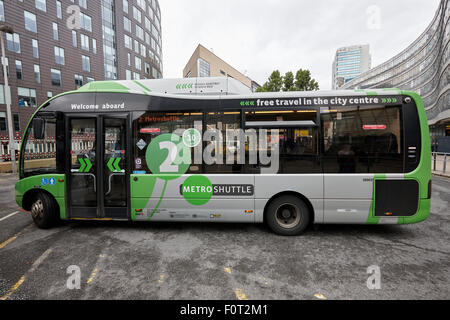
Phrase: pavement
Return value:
(222, 261)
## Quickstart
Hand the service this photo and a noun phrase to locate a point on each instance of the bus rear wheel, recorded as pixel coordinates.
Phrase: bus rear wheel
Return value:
(287, 216)
(44, 210)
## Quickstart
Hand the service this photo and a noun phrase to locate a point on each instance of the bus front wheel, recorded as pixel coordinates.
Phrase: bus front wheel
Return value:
(44, 210)
(288, 216)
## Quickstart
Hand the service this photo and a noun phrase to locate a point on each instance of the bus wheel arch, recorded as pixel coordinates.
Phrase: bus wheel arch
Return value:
(299, 200)
(36, 197)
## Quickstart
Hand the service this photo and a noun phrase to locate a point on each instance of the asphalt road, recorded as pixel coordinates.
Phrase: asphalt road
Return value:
(231, 261)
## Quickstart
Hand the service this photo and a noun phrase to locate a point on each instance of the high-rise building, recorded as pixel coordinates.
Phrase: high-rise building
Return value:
(349, 63)
(60, 45)
(204, 63)
(423, 67)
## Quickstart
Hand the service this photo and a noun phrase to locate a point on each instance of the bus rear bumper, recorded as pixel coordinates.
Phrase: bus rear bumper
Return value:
(422, 214)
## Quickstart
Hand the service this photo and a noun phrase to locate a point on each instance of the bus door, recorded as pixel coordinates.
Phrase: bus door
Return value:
(98, 169)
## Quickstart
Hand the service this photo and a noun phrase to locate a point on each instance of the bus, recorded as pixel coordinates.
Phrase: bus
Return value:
(116, 150)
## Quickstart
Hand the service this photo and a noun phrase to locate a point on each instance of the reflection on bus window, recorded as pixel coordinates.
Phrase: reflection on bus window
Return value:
(363, 140)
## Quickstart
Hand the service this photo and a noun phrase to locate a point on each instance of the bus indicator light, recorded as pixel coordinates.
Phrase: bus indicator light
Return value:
(388, 213)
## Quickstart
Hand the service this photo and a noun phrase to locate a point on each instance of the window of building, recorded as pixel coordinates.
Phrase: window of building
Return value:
(140, 33)
(82, 3)
(74, 38)
(16, 118)
(41, 5)
(147, 38)
(55, 31)
(56, 77)
(148, 25)
(13, 42)
(125, 6)
(49, 94)
(137, 14)
(143, 51)
(35, 46)
(59, 9)
(30, 21)
(2, 11)
(127, 24)
(84, 42)
(128, 74)
(37, 73)
(137, 76)
(128, 42)
(203, 68)
(94, 46)
(86, 22)
(136, 46)
(59, 56)
(89, 79)
(78, 80)
(19, 69)
(27, 97)
(141, 3)
(129, 58)
(363, 140)
(147, 68)
(2, 94)
(3, 126)
(138, 63)
(86, 63)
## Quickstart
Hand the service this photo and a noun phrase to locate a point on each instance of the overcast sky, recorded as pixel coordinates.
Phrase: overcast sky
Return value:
(259, 36)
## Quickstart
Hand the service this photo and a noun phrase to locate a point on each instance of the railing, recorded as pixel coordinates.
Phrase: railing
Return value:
(440, 163)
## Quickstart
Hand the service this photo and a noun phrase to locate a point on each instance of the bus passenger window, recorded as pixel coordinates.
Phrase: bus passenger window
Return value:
(363, 140)
(149, 125)
(298, 139)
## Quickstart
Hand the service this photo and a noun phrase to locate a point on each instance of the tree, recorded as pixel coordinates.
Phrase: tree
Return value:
(301, 82)
(304, 82)
(274, 83)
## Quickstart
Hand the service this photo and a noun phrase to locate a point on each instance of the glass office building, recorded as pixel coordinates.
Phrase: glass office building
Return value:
(423, 67)
(349, 63)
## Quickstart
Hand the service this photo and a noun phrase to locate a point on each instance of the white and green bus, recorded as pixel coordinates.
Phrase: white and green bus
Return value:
(116, 150)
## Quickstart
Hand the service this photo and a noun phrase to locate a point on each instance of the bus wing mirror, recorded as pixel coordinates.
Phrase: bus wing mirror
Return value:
(39, 128)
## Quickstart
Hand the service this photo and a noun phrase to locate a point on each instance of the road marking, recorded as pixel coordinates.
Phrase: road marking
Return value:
(240, 295)
(93, 274)
(14, 237)
(34, 266)
(9, 215)
(320, 296)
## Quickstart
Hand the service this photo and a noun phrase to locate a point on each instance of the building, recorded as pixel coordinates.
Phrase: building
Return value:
(423, 67)
(204, 63)
(59, 45)
(349, 63)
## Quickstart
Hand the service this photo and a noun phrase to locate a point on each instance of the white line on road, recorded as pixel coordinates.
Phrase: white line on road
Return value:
(9, 215)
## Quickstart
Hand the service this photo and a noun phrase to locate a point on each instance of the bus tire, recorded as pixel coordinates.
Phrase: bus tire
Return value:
(44, 210)
(287, 216)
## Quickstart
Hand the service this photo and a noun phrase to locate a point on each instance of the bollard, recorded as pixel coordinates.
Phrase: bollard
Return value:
(445, 163)
(435, 156)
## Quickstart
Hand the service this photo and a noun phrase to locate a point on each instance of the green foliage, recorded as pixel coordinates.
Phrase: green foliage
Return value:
(301, 82)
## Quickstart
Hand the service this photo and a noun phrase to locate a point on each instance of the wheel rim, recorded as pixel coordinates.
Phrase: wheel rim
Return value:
(37, 209)
(287, 215)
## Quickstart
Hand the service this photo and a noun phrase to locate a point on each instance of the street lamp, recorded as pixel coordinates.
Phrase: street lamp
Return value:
(12, 142)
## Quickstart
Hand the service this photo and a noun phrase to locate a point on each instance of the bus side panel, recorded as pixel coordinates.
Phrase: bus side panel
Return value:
(348, 197)
(48, 182)
(155, 199)
(308, 185)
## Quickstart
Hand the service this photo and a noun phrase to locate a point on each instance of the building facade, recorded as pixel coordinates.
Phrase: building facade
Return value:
(204, 63)
(423, 67)
(60, 45)
(349, 63)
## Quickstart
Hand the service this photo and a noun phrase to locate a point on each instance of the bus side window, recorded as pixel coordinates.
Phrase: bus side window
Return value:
(363, 140)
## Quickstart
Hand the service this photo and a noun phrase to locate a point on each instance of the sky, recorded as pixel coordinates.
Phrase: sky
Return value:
(259, 36)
